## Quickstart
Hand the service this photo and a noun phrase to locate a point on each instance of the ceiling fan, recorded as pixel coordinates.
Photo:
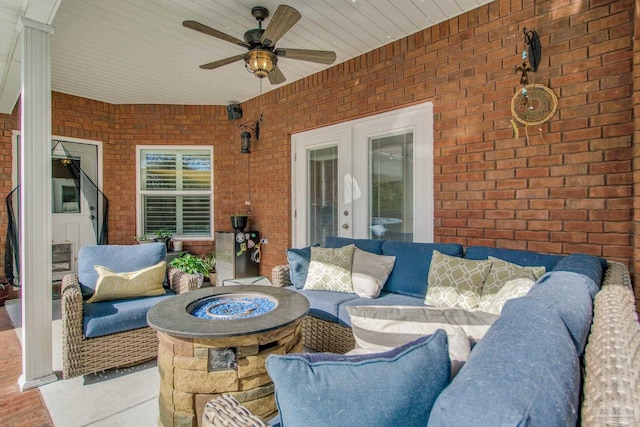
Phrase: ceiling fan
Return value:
(262, 58)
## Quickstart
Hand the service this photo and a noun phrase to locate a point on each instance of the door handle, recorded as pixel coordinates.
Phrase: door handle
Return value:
(345, 226)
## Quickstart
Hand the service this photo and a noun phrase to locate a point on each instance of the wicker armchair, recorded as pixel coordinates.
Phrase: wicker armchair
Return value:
(82, 355)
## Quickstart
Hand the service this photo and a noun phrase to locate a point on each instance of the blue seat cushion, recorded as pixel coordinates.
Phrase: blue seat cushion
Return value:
(411, 270)
(117, 258)
(524, 372)
(568, 294)
(385, 299)
(324, 304)
(369, 245)
(392, 388)
(521, 258)
(587, 265)
(109, 317)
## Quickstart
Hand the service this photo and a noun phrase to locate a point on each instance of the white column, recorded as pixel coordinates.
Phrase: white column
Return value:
(35, 205)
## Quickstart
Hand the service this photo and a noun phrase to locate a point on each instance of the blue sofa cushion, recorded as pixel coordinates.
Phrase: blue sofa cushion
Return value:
(393, 388)
(324, 304)
(587, 265)
(299, 260)
(524, 372)
(369, 245)
(522, 258)
(411, 271)
(109, 317)
(385, 299)
(568, 294)
(117, 258)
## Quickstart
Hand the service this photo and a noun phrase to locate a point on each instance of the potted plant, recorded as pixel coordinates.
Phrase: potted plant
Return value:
(143, 238)
(164, 236)
(193, 265)
(239, 221)
(4, 293)
(210, 261)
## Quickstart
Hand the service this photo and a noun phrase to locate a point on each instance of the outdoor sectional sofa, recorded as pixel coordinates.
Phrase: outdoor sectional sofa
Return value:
(568, 352)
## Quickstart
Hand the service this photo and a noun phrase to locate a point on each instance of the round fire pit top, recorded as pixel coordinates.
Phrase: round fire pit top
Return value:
(232, 306)
(175, 316)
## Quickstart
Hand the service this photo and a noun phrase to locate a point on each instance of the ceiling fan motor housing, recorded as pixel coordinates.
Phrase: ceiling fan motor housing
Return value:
(260, 62)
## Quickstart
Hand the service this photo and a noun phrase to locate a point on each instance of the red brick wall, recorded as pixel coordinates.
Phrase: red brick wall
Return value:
(8, 123)
(164, 125)
(569, 188)
(636, 144)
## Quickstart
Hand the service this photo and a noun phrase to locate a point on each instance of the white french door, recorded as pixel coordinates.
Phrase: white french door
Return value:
(367, 178)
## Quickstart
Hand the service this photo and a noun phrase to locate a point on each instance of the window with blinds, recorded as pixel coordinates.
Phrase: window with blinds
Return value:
(175, 191)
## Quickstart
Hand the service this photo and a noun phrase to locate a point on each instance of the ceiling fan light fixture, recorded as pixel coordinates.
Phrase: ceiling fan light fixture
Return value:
(260, 62)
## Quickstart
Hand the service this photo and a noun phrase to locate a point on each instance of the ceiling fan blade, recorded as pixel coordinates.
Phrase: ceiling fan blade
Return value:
(214, 33)
(281, 22)
(276, 77)
(221, 62)
(319, 56)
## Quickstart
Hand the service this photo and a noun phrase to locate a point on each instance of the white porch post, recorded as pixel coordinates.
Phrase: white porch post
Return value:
(35, 205)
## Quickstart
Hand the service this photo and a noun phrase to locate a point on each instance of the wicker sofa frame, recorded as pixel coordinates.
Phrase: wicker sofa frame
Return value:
(82, 355)
(611, 362)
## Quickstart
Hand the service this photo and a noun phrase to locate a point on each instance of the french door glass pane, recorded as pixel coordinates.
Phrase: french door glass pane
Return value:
(391, 187)
(322, 167)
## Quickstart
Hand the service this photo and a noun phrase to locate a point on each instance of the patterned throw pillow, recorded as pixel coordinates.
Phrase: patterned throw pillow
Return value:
(330, 269)
(501, 272)
(515, 288)
(455, 282)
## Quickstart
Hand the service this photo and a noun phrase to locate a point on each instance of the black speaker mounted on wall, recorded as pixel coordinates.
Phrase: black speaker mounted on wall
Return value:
(234, 111)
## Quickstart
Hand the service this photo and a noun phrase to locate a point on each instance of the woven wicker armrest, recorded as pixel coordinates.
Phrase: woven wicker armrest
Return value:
(71, 307)
(280, 276)
(181, 282)
(612, 355)
(225, 411)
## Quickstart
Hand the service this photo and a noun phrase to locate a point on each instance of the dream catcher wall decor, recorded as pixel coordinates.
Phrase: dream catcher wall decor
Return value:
(535, 103)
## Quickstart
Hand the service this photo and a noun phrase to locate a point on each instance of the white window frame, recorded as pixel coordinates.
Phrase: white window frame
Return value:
(140, 193)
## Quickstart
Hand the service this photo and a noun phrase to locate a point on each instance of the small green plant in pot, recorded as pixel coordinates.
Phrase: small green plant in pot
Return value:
(164, 236)
(191, 264)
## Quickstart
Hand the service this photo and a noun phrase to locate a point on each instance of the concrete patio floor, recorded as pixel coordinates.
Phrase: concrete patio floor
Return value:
(119, 397)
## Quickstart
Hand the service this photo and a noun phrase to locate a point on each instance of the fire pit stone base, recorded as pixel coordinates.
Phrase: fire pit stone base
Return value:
(191, 372)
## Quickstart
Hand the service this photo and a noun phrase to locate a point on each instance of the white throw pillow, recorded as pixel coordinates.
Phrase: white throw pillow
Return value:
(459, 349)
(370, 272)
(515, 288)
(380, 327)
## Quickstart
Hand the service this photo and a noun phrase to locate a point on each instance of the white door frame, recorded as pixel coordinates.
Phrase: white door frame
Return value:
(99, 164)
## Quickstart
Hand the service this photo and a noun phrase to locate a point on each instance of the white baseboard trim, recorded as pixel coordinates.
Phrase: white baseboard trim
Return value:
(35, 383)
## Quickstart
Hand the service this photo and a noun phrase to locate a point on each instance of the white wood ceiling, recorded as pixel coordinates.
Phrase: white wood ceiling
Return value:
(137, 51)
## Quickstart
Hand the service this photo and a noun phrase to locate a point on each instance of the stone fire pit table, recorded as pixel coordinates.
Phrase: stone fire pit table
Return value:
(201, 358)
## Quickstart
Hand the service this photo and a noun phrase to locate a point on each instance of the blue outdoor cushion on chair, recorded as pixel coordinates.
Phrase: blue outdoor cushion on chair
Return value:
(393, 388)
(109, 317)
